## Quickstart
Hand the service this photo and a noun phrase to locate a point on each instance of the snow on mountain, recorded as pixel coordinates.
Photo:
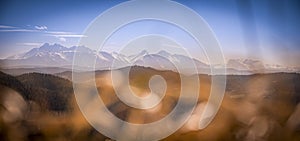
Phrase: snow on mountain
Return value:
(250, 66)
(245, 65)
(155, 61)
(164, 54)
(120, 57)
(56, 55)
(272, 68)
(137, 57)
(166, 61)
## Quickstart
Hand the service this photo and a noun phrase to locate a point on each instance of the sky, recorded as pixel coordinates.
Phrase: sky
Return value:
(259, 29)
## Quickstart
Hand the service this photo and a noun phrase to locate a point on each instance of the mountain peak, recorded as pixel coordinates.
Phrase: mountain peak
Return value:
(58, 55)
(163, 53)
(144, 52)
(45, 44)
(81, 48)
(50, 48)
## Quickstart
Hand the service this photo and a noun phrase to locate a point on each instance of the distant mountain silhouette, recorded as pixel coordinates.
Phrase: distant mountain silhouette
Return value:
(58, 56)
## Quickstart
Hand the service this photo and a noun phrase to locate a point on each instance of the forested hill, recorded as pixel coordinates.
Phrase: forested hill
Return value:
(50, 92)
(14, 83)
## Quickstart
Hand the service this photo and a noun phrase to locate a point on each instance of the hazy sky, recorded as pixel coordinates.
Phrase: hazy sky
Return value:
(268, 30)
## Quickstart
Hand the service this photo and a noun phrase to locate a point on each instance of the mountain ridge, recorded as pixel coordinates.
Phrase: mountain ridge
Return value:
(56, 55)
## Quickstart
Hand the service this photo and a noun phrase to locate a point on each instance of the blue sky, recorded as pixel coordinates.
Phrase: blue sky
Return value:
(267, 30)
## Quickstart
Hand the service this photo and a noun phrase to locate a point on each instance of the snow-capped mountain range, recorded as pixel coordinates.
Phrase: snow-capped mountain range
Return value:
(59, 56)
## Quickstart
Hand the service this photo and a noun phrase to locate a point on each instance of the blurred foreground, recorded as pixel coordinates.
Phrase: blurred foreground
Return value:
(255, 108)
